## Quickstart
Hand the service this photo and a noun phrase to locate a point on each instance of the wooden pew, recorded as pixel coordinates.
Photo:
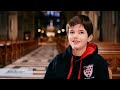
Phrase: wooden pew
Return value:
(2, 53)
(12, 50)
(28, 46)
(111, 53)
(61, 44)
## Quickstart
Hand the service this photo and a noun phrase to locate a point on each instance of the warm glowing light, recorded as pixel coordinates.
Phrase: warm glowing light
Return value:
(63, 30)
(58, 31)
(39, 30)
(49, 34)
(42, 31)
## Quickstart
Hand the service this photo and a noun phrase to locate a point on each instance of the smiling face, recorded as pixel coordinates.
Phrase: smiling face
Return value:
(78, 37)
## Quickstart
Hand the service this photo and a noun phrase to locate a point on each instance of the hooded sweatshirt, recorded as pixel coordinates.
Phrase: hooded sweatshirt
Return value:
(90, 65)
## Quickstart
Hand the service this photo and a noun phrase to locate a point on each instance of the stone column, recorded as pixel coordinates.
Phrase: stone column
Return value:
(13, 25)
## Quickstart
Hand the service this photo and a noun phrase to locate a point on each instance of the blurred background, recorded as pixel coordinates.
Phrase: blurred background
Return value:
(31, 39)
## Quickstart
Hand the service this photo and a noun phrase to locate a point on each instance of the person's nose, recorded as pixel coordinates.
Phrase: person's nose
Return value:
(75, 36)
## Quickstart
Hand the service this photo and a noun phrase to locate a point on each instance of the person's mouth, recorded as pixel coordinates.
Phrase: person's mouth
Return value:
(76, 41)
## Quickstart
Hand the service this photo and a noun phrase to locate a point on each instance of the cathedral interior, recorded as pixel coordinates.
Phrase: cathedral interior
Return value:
(30, 39)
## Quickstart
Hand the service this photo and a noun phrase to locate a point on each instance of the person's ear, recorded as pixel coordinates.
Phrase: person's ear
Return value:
(90, 37)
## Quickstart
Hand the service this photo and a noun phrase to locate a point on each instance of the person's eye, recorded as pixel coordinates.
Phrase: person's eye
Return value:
(71, 32)
(81, 32)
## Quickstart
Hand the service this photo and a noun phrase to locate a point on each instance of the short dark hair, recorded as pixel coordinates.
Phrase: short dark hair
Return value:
(83, 20)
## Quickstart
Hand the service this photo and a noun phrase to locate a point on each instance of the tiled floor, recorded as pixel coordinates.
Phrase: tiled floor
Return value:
(37, 61)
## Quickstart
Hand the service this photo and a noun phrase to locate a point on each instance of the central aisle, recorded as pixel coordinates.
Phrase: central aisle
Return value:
(37, 61)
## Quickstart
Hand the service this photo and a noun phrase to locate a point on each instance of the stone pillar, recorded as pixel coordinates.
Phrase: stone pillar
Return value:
(93, 15)
(13, 25)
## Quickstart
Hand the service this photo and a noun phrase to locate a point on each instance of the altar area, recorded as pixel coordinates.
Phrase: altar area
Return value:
(50, 32)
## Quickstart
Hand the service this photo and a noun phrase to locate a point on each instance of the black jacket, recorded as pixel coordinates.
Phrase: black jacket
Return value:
(89, 66)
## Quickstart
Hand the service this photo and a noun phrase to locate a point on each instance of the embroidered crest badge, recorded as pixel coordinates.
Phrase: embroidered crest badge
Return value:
(88, 70)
